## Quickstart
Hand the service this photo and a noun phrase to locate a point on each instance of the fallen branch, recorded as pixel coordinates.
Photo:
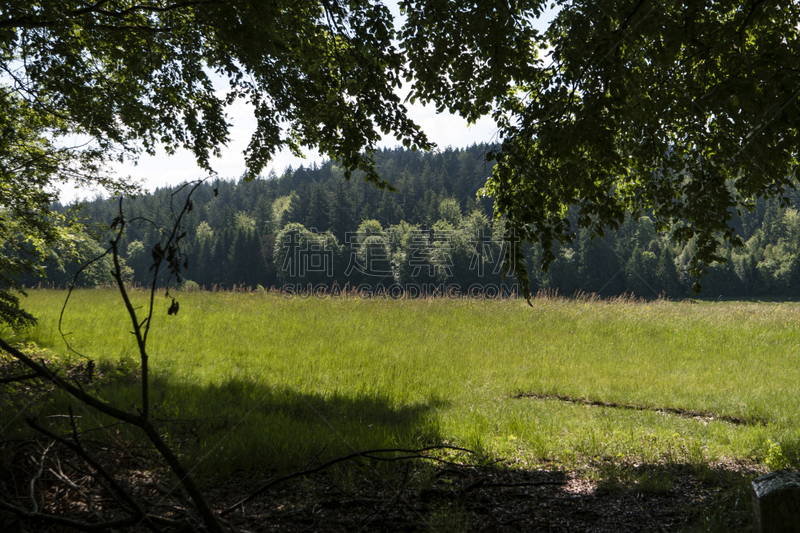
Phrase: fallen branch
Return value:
(415, 454)
(23, 377)
(76, 447)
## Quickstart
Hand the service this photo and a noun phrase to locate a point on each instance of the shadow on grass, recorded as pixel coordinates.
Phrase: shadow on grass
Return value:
(240, 426)
(237, 432)
(683, 497)
(449, 498)
(243, 425)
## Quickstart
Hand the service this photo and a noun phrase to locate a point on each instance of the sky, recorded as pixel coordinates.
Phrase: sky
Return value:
(161, 170)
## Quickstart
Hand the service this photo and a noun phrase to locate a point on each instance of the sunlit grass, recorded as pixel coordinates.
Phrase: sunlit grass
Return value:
(275, 380)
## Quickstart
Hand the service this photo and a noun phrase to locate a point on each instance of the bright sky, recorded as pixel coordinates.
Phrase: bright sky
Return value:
(443, 129)
(162, 170)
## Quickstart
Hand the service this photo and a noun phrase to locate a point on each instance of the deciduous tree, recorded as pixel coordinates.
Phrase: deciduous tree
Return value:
(125, 76)
(684, 109)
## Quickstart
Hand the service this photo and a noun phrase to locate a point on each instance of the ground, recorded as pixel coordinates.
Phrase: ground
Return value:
(497, 498)
(420, 495)
(447, 492)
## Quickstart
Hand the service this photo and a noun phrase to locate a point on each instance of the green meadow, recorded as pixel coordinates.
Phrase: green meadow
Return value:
(259, 380)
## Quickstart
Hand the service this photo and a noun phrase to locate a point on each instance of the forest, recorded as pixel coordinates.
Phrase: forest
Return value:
(311, 228)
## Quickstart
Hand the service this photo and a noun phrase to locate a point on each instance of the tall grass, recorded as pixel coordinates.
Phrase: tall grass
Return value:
(273, 380)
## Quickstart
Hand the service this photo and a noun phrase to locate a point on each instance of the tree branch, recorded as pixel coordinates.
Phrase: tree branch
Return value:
(747, 20)
(78, 393)
(141, 8)
(357, 455)
(630, 16)
(19, 378)
(79, 449)
(31, 22)
(69, 522)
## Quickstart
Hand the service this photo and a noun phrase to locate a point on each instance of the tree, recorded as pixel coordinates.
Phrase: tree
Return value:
(450, 211)
(27, 225)
(684, 110)
(342, 213)
(298, 210)
(601, 266)
(137, 259)
(318, 216)
(247, 267)
(303, 258)
(667, 275)
(167, 254)
(126, 76)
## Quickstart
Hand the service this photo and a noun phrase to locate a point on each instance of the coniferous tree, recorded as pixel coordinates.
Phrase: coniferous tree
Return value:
(317, 212)
(267, 252)
(222, 272)
(342, 213)
(601, 269)
(246, 266)
(202, 271)
(563, 272)
(667, 277)
(139, 260)
(640, 273)
(298, 208)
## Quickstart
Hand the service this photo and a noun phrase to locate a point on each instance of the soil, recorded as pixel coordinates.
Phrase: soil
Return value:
(498, 499)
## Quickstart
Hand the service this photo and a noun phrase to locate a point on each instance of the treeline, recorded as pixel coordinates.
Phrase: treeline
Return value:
(312, 227)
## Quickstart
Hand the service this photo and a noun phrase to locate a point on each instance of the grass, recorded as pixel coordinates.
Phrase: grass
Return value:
(273, 381)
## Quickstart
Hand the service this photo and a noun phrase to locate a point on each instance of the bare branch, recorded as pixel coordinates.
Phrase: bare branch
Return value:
(79, 449)
(369, 454)
(19, 378)
(70, 522)
(35, 478)
(78, 393)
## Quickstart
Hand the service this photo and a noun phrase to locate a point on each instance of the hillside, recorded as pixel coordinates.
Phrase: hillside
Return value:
(311, 226)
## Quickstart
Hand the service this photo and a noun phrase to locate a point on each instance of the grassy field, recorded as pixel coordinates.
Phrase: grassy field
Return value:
(273, 381)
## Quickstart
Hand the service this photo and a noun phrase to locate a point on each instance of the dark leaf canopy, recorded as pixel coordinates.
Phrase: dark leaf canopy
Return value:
(683, 110)
(86, 83)
(686, 111)
(132, 74)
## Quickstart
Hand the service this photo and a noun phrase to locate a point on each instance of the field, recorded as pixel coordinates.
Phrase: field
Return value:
(568, 385)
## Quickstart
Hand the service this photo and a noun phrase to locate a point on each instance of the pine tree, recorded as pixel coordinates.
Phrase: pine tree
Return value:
(202, 271)
(298, 208)
(600, 266)
(342, 214)
(667, 276)
(317, 214)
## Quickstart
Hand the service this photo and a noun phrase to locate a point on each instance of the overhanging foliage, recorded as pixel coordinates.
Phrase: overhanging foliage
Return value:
(686, 110)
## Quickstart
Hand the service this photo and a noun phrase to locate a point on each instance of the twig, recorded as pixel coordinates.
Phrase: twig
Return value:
(60, 520)
(42, 370)
(357, 455)
(66, 481)
(35, 478)
(19, 378)
(138, 512)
